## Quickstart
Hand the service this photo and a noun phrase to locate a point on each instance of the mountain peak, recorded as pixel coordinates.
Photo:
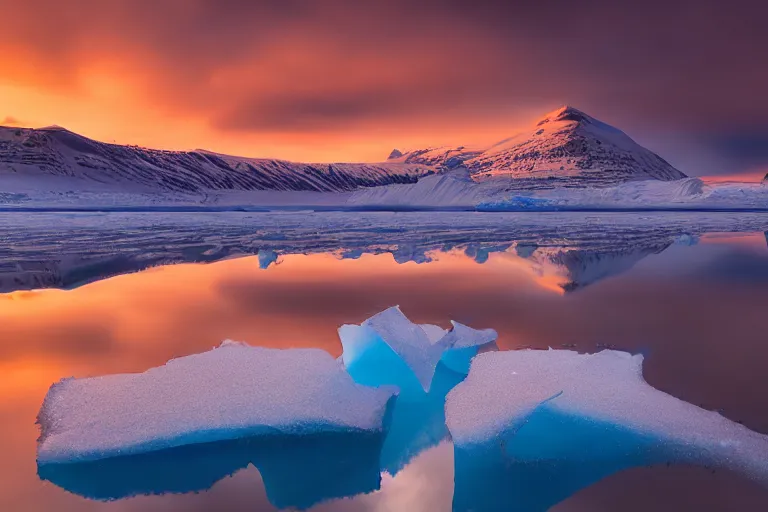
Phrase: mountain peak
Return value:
(565, 113)
(396, 153)
(55, 128)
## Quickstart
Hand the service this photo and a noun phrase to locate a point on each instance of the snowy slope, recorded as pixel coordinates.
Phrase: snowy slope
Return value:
(565, 148)
(44, 156)
(450, 190)
(567, 161)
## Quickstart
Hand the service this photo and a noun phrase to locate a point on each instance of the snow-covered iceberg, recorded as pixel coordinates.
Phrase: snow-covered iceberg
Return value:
(424, 361)
(229, 392)
(390, 349)
(532, 427)
(297, 471)
(529, 427)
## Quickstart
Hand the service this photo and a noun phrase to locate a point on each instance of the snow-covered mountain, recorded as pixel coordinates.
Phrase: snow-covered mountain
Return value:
(38, 155)
(565, 148)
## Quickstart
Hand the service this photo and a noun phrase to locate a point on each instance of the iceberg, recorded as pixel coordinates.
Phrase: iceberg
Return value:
(463, 343)
(531, 427)
(517, 203)
(229, 392)
(390, 349)
(297, 471)
(266, 258)
(424, 361)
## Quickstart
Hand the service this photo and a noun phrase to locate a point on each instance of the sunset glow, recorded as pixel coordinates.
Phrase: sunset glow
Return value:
(348, 82)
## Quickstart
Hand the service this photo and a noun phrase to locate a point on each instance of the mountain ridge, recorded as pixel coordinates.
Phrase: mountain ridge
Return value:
(567, 148)
(56, 151)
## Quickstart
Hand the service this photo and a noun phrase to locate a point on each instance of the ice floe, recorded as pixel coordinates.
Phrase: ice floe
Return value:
(532, 427)
(529, 427)
(232, 391)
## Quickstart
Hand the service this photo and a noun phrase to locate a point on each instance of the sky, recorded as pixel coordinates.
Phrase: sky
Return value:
(345, 80)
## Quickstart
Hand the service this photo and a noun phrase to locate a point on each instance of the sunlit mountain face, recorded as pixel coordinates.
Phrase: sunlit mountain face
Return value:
(565, 148)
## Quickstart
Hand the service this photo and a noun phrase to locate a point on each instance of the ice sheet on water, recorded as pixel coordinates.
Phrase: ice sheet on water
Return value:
(532, 427)
(229, 392)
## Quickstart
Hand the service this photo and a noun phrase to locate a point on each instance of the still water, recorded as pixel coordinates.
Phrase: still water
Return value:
(696, 309)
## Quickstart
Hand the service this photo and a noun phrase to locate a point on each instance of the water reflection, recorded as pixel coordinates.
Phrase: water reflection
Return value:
(705, 343)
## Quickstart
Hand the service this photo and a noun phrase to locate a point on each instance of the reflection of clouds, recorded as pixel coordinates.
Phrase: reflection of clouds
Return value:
(425, 485)
(56, 336)
(705, 343)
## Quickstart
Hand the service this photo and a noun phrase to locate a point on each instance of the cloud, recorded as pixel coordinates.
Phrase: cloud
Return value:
(300, 66)
(11, 121)
(749, 148)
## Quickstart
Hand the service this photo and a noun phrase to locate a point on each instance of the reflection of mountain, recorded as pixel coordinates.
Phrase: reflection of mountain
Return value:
(63, 250)
(580, 268)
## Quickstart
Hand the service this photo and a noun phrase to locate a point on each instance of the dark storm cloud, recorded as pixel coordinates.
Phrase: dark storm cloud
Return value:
(310, 110)
(695, 68)
(746, 148)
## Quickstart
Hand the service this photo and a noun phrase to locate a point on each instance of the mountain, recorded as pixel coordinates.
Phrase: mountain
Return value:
(565, 148)
(37, 154)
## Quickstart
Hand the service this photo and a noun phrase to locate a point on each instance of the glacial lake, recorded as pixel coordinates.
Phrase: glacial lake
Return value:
(688, 291)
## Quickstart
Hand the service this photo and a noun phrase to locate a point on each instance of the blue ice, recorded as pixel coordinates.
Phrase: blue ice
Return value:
(531, 427)
(424, 361)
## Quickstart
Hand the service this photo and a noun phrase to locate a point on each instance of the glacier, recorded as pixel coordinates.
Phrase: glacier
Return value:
(532, 427)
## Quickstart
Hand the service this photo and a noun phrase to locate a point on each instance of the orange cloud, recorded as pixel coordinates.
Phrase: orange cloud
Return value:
(348, 80)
